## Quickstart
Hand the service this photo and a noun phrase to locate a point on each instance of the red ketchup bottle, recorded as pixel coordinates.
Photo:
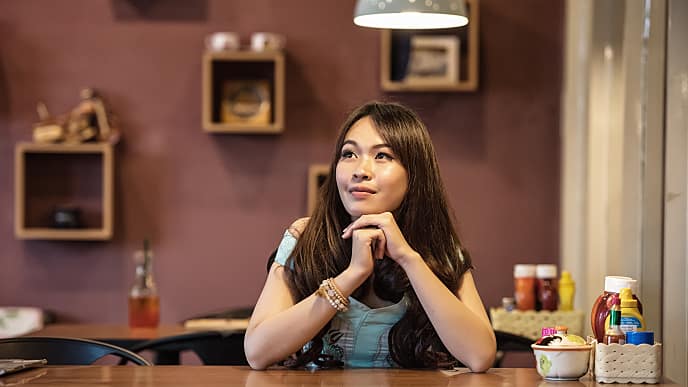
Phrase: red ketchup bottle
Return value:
(600, 309)
(547, 294)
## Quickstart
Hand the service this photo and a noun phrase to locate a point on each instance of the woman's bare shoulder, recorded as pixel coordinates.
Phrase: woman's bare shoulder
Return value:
(298, 226)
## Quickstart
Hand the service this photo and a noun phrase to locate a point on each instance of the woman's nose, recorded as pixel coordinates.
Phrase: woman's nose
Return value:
(363, 170)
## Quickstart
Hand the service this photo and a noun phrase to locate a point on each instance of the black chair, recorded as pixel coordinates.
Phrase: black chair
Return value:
(212, 347)
(507, 342)
(65, 351)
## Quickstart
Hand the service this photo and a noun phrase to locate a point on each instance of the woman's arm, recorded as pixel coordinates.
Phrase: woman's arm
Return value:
(278, 327)
(459, 319)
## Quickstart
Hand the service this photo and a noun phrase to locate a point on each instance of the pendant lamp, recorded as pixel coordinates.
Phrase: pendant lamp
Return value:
(410, 14)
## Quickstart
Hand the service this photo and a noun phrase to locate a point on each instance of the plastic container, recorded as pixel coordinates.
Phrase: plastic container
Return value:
(600, 309)
(637, 338)
(508, 303)
(524, 286)
(628, 363)
(631, 319)
(547, 294)
(567, 290)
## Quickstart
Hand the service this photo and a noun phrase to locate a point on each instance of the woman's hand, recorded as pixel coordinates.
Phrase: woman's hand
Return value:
(366, 244)
(393, 244)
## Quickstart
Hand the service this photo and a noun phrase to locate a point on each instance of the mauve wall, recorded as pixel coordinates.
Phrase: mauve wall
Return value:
(216, 205)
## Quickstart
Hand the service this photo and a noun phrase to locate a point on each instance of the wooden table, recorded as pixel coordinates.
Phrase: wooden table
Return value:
(245, 377)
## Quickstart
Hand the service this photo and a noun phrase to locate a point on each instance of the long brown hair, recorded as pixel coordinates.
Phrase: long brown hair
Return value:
(423, 218)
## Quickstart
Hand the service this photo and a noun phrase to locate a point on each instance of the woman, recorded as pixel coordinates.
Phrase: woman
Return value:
(377, 276)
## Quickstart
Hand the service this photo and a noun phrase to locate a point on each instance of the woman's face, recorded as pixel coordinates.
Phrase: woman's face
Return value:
(370, 178)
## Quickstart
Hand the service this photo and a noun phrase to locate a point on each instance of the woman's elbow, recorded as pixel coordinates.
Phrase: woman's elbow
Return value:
(481, 361)
(480, 365)
(256, 364)
(253, 355)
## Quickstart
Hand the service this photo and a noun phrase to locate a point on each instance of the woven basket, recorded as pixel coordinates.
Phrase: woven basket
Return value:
(628, 363)
(530, 323)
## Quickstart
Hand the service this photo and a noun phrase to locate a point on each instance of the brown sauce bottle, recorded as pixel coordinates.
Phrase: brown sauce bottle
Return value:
(600, 309)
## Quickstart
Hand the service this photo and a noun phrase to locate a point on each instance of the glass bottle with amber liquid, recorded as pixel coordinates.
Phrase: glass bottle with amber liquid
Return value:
(144, 304)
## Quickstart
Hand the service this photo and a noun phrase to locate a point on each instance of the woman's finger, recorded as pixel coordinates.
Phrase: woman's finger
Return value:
(380, 245)
(365, 221)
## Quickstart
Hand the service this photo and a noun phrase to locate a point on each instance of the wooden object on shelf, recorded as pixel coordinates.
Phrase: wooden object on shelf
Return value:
(243, 92)
(467, 61)
(47, 176)
(317, 173)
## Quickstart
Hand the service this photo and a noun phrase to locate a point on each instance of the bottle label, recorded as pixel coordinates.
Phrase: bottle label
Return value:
(630, 324)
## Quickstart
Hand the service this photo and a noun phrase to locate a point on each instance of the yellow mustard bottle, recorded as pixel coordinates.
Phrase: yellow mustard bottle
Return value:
(567, 289)
(631, 319)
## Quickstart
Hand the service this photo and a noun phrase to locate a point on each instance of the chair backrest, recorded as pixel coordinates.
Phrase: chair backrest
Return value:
(64, 350)
(508, 342)
(212, 347)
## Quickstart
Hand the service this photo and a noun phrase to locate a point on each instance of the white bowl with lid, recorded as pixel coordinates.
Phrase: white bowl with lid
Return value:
(562, 362)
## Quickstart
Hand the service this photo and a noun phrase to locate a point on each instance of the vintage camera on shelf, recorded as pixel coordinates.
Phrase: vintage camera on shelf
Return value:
(88, 121)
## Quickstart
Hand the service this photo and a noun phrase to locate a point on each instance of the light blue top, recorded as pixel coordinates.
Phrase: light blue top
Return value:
(357, 337)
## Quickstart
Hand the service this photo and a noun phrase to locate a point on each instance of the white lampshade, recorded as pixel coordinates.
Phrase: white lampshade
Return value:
(410, 14)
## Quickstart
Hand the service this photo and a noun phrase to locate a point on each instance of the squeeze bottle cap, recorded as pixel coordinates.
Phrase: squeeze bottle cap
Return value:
(546, 271)
(627, 300)
(566, 279)
(614, 284)
(523, 270)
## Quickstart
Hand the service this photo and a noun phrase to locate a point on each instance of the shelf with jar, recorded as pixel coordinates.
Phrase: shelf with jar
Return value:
(443, 60)
(64, 191)
(243, 91)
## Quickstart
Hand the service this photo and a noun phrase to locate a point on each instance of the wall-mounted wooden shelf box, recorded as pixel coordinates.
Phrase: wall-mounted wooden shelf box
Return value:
(47, 176)
(243, 92)
(396, 52)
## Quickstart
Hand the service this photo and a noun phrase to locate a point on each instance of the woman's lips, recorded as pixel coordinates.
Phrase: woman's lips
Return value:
(361, 192)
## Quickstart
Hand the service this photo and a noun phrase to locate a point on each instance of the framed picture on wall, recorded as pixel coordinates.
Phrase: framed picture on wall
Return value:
(317, 173)
(434, 59)
(246, 101)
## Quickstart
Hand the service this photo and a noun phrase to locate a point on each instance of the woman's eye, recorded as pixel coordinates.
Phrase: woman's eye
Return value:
(384, 156)
(347, 154)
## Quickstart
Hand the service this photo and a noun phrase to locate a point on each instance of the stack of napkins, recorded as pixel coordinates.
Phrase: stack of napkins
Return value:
(217, 324)
(19, 320)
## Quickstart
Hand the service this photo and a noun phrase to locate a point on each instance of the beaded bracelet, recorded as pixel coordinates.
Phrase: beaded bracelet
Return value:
(329, 291)
(338, 293)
